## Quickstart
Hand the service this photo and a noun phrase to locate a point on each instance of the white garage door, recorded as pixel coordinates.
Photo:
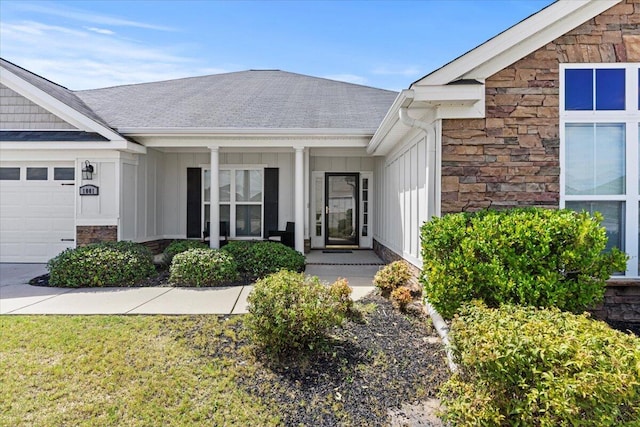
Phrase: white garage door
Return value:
(36, 211)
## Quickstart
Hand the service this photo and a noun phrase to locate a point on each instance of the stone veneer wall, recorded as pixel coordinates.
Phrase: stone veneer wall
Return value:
(621, 302)
(511, 158)
(86, 234)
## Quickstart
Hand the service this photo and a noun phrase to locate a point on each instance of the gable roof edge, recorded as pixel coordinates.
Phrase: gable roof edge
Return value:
(517, 41)
(55, 106)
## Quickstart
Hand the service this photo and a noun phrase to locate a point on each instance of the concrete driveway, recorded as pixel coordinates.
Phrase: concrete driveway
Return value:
(18, 297)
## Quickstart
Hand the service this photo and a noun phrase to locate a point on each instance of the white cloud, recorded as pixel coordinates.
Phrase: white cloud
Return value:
(100, 31)
(79, 15)
(349, 78)
(86, 59)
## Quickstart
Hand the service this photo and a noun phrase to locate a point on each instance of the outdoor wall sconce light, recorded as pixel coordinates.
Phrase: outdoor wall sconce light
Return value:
(87, 171)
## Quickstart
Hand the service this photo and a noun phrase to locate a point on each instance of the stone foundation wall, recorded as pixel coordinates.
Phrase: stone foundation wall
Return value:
(87, 234)
(621, 302)
(157, 246)
(510, 158)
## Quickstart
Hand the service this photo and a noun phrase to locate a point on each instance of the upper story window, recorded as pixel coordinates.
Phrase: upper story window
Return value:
(600, 149)
(594, 88)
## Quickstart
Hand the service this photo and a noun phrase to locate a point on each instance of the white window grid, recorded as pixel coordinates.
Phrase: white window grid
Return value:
(232, 203)
(631, 118)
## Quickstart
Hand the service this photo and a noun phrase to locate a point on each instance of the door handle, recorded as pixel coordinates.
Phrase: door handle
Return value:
(326, 210)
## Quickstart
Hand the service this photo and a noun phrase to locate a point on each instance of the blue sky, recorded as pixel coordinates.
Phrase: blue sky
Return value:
(386, 44)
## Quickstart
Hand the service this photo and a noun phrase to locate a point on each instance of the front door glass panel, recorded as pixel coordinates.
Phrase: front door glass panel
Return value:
(341, 209)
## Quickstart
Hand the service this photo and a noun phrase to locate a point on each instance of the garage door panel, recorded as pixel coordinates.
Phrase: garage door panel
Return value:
(35, 217)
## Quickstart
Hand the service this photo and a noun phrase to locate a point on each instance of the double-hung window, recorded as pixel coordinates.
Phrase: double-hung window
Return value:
(241, 199)
(600, 149)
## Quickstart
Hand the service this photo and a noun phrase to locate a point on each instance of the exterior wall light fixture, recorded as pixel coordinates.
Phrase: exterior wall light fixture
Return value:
(87, 171)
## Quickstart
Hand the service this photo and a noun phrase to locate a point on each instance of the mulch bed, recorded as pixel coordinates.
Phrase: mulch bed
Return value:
(372, 365)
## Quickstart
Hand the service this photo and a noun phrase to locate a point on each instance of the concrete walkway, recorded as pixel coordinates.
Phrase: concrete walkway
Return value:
(18, 297)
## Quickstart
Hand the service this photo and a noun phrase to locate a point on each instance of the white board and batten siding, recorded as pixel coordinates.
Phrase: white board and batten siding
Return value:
(406, 197)
(154, 190)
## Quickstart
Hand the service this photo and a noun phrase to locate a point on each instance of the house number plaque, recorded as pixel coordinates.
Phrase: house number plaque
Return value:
(89, 190)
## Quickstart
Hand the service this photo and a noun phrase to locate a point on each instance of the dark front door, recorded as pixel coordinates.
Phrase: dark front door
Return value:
(341, 209)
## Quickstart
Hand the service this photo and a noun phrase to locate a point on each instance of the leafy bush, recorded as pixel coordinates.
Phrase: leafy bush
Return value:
(534, 257)
(341, 291)
(401, 297)
(101, 264)
(202, 267)
(179, 246)
(391, 276)
(291, 312)
(259, 259)
(541, 367)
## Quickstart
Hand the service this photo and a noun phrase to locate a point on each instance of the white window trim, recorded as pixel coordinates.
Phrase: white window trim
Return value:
(631, 118)
(232, 203)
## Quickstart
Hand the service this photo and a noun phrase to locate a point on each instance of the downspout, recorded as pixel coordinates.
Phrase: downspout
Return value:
(414, 123)
(438, 322)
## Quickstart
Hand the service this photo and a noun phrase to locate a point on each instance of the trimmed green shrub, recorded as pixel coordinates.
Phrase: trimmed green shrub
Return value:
(391, 276)
(259, 259)
(101, 264)
(524, 366)
(202, 267)
(537, 257)
(291, 312)
(179, 246)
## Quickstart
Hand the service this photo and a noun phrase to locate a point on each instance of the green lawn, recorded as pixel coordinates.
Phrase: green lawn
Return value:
(117, 370)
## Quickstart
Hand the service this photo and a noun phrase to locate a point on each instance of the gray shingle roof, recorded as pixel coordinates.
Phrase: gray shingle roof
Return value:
(246, 99)
(60, 93)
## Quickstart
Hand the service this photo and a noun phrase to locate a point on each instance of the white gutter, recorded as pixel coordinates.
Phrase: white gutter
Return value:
(414, 123)
(214, 131)
(403, 99)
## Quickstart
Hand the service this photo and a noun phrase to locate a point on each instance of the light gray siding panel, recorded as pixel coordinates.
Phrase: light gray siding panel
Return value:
(128, 209)
(19, 113)
(341, 164)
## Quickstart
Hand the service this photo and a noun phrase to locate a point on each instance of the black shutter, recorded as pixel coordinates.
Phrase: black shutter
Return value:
(270, 200)
(194, 202)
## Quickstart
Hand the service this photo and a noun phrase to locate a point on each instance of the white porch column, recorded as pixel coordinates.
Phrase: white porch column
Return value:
(214, 210)
(299, 200)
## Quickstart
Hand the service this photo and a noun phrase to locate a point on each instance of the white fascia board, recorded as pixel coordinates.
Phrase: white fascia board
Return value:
(122, 145)
(518, 41)
(428, 103)
(390, 120)
(467, 94)
(55, 106)
(206, 141)
(55, 155)
(233, 132)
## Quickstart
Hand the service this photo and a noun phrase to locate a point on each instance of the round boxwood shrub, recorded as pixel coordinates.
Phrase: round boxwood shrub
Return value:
(202, 267)
(290, 312)
(101, 264)
(259, 259)
(179, 246)
(541, 367)
(537, 257)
